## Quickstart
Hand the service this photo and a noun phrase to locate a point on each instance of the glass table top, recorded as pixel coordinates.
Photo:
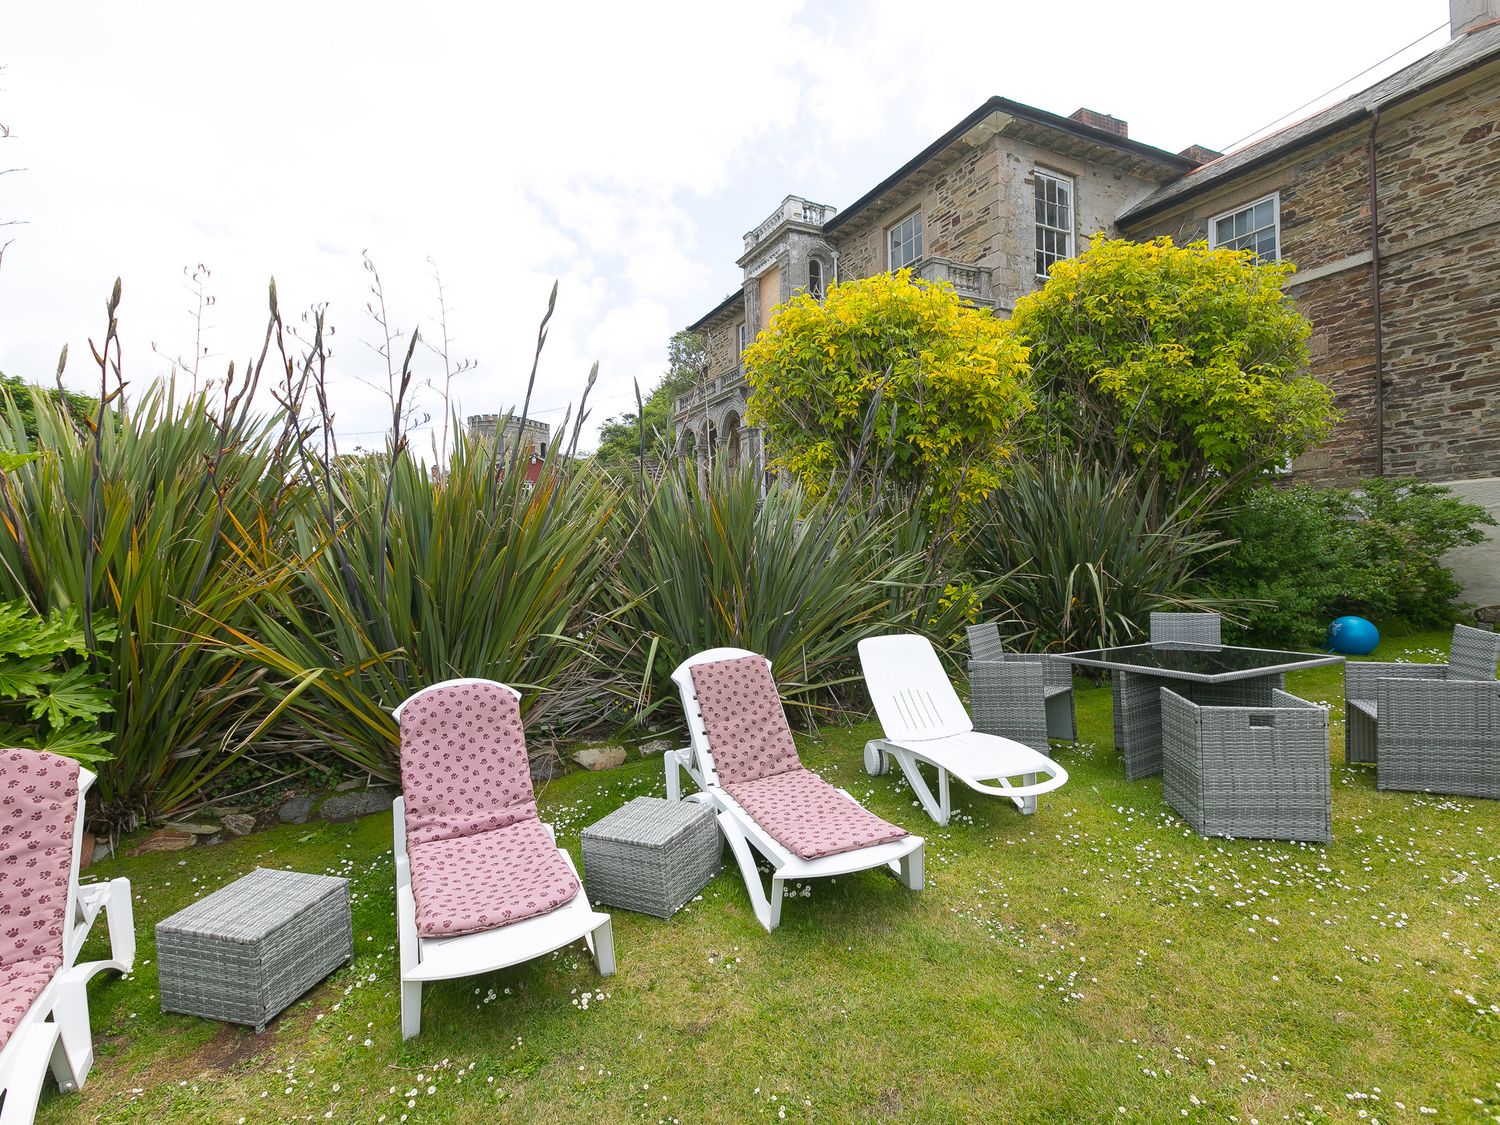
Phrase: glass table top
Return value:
(1199, 662)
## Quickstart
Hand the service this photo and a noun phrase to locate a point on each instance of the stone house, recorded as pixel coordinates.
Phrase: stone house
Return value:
(1388, 203)
(988, 206)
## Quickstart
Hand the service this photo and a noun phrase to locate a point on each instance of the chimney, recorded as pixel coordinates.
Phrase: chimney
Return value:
(1200, 154)
(1122, 128)
(1465, 16)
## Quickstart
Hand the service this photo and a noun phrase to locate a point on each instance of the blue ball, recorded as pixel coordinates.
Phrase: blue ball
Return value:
(1353, 636)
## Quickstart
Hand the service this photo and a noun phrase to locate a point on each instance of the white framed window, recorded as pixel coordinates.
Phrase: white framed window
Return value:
(740, 341)
(905, 241)
(1255, 226)
(1054, 219)
(815, 278)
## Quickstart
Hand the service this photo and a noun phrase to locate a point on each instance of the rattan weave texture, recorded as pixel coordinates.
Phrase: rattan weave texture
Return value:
(245, 952)
(1257, 772)
(651, 855)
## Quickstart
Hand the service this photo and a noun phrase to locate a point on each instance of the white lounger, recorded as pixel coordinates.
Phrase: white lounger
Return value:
(925, 722)
(466, 791)
(43, 933)
(903, 855)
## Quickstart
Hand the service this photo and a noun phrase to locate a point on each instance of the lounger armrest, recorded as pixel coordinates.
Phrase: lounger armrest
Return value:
(1360, 677)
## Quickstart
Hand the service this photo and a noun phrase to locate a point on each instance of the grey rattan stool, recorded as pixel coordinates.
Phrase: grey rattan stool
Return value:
(245, 952)
(651, 855)
(1259, 772)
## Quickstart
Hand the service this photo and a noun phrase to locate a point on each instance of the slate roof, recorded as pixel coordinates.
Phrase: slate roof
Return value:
(1448, 61)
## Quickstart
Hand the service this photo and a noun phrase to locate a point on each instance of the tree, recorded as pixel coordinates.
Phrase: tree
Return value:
(80, 408)
(620, 436)
(1185, 361)
(891, 381)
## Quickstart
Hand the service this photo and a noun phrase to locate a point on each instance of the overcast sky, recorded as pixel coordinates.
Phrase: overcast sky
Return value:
(622, 149)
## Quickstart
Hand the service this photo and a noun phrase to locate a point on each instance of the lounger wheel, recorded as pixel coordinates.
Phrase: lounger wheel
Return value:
(877, 761)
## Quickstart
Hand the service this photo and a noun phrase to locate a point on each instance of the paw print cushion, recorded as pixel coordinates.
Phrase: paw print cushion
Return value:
(468, 884)
(742, 714)
(463, 763)
(38, 811)
(805, 814)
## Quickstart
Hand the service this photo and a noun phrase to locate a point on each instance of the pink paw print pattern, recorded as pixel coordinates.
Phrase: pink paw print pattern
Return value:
(480, 858)
(463, 762)
(38, 809)
(742, 714)
(809, 816)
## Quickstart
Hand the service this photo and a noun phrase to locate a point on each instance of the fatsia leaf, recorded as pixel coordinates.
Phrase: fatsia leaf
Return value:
(76, 694)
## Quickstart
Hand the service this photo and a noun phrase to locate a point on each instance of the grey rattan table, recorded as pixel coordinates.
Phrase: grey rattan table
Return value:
(245, 952)
(651, 855)
(1213, 675)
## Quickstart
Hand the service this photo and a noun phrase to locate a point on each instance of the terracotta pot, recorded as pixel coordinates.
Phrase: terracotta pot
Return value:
(86, 853)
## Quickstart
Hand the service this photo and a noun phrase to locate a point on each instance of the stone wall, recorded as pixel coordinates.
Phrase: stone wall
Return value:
(722, 346)
(1438, 164)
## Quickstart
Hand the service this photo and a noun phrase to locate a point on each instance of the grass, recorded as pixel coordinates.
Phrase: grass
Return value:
(1098, 960)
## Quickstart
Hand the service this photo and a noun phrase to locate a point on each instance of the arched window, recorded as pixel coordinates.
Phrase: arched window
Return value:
(815, 278)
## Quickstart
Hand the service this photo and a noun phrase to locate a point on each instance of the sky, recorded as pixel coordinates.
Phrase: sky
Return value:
(621, 150)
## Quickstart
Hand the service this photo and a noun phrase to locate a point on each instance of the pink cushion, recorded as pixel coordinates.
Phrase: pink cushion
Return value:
(38, 807)
(463, 762)
(490, 879)
(807, 815)
(20, 984)
(747, 732)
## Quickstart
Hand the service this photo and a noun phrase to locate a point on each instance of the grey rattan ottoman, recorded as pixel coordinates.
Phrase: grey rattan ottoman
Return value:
(245, 952)
(651, 855)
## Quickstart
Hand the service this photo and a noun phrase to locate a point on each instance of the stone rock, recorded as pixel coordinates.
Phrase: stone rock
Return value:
(238, 823)
(296, 810)
(203, 827)
(548, 767)
(655, 746)
(600, 757)
(1488, 615)
(165, 840)
(357, 803)
(345, 786)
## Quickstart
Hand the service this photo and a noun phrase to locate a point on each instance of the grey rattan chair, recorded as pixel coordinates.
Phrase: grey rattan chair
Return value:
(1185, 629)
(1258, 772)
(1429, 727)
(1016, 695)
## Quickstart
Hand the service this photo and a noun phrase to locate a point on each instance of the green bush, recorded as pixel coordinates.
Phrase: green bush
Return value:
(49, 698)
(1081, 556)
(1305, 555)
(709, 562)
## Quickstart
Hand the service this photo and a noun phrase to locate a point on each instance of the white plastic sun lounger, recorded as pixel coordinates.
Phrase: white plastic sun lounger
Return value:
(494, 771)
(54, 1027)
(902, 856)
(925, 722)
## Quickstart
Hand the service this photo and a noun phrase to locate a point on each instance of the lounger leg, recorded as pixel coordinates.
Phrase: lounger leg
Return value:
(120, 913)
(1027, 805)
(912, 875)
(411, 1008)
(935, 809)
(945, 798)
(73, 1055)
(601, 944)
(674, 779)
(767, 911)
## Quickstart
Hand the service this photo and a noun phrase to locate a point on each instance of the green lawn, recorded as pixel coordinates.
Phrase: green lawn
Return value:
(1098, 960)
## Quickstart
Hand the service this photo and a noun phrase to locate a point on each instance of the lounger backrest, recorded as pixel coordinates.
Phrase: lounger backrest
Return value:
(463, 761)
(985, 642)
(38, 831)
(1474, 654)
(743, 721)
(910, 689)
